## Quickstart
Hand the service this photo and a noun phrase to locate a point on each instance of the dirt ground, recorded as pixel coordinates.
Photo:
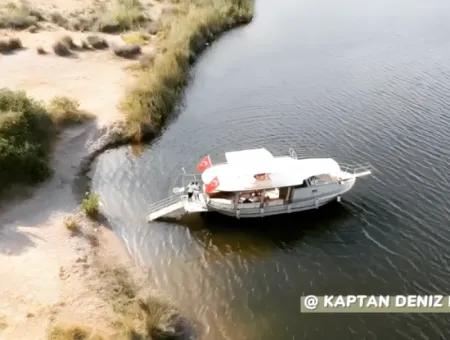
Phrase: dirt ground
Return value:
(48, 275)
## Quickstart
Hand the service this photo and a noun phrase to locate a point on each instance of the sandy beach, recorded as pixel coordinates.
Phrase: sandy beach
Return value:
(76, 280)
(51, 275)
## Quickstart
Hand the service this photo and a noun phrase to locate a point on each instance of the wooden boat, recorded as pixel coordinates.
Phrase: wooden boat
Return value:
(254, 183)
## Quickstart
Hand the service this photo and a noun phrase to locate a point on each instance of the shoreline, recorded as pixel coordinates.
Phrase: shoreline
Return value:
(56, 278)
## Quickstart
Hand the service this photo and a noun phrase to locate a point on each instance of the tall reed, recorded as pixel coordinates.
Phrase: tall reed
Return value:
(183, 36)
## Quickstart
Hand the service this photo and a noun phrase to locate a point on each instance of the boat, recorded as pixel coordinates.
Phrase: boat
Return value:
(255, 183)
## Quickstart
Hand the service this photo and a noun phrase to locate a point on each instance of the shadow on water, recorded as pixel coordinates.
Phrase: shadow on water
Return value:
(282, 231)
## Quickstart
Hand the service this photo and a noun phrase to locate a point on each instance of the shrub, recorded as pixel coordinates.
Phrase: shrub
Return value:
(59, 20)
(17, 16)
(67, 40)
(97, 42)
(4, 46)
(25, 134)
(85, 45)
(61, 49)
(90, 205)
(64, 110)
(40, 50)
(127, 51)
(33, 29)
(122, 15)
(9, 45)
(84, 23)
(15, 43)
(71, 224)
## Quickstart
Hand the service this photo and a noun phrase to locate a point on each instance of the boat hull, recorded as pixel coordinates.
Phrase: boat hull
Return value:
(307, 199)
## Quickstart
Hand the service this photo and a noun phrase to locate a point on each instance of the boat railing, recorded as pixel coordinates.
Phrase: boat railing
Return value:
(184, 179)
(165, 202)
(221, 205)
(356, 169)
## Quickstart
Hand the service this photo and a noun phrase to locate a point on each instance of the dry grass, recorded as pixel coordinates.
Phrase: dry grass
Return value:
(65, 110)
(17, 15)
(140, 317)
(183, 37)
(72, 332)
(71, 224)
(59, 20)
(122, 15)
(136, 38)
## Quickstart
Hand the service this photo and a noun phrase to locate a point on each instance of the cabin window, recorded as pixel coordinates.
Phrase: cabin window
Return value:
(222, 194)
(321, 179)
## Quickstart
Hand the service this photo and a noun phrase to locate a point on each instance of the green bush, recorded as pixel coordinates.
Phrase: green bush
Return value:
(25, 134)
(90, 205)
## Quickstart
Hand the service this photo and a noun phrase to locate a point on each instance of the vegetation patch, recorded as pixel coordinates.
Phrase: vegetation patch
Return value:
(136, 38)
(41, 50)
(91, 205)
(59, 20)
(10, 45)
(65, 110)
(72, 332)
(127, 51)
(26, 131)
(71, 224)
(68, 41)
(17, 15)
(140, 317)
(183, 37)
(97, 42)
(122, 15)
(61, 49)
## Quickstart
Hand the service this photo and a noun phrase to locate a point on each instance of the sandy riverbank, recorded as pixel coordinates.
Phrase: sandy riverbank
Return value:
(53, 278)
(50, 276)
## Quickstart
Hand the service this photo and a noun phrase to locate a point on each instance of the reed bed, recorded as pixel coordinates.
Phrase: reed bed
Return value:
(183, 36)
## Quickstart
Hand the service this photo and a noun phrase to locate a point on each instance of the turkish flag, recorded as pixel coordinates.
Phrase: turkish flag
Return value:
(204, 164)
(211, 186)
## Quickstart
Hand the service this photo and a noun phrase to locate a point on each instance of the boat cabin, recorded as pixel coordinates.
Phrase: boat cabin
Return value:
(255, 182)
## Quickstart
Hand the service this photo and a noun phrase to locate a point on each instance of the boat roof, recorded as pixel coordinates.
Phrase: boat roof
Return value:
(237, 174)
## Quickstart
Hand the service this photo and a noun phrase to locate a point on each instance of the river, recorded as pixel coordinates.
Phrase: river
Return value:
(355, 80)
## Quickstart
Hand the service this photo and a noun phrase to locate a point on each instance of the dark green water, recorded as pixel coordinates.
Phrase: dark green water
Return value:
(355, 80)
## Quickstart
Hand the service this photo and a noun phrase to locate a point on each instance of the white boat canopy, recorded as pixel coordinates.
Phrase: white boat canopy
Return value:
(238, 174)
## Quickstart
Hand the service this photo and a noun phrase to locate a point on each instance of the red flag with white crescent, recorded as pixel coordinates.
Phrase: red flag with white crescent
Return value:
(204, 163)
(211, 186)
